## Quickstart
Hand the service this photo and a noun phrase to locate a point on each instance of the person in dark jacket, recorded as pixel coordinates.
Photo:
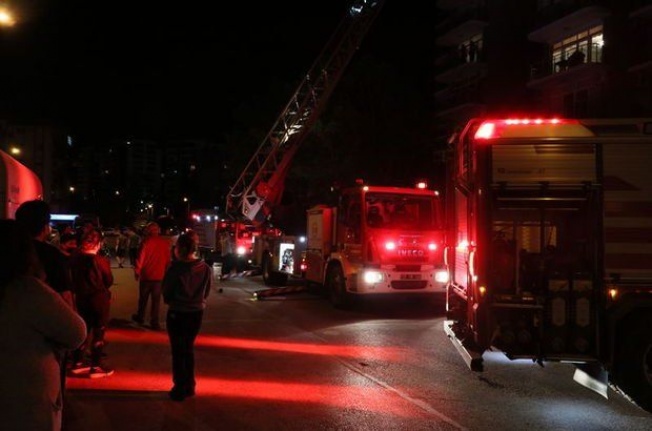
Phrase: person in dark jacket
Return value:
(186, 285)
(92, 278)
(34, 216)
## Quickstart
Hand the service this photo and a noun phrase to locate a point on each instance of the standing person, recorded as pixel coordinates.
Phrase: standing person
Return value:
(186, 286)
(121, 251)
(68, 244)
(34, 216)
(152, 262)
(92, 279)
(35, 325)
(134, 244)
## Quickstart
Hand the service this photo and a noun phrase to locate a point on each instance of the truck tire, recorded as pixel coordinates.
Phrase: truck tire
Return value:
(336, 287)
(635, 363)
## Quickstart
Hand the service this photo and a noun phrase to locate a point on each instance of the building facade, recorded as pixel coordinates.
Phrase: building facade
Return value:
(573, 58)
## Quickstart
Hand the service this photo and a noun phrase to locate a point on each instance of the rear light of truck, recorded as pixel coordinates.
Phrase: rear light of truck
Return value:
(528, 127)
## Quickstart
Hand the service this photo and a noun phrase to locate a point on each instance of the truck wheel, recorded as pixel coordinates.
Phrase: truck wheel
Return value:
(336, 286)
(635, 363)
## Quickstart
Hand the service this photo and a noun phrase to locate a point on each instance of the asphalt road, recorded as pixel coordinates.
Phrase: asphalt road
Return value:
(294, 363)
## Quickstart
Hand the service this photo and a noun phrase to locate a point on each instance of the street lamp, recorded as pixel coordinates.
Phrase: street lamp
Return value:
(6, 17)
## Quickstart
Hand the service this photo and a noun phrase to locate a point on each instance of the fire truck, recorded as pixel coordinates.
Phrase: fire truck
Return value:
(18, 184)
(549, 246)
(221, 240)
(377, 241)
(258, 190)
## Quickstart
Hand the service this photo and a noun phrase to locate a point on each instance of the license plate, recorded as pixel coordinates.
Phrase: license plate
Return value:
(410, 277)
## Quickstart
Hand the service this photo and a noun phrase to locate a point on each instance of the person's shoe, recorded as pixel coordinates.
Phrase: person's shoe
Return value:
(177, 395)
(100, 371)
(79, 368)
(136, 318)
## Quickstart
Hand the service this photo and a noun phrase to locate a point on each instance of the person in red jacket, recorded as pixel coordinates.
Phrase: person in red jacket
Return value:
(153, 260)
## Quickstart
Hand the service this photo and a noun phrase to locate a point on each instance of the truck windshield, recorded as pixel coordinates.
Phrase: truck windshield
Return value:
(395, 210)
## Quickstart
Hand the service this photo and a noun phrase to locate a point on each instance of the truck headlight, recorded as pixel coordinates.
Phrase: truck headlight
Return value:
(372, 277)
(441, 276)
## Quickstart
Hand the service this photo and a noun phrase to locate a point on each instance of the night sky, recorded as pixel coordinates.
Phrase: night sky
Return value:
(179, 69)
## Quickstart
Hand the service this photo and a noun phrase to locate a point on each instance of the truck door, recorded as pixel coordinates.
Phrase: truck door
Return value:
(349, 229)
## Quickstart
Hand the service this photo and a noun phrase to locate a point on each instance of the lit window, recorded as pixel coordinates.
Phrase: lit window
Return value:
(583, 47)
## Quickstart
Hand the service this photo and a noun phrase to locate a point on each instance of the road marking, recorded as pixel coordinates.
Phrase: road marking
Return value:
(422, 405)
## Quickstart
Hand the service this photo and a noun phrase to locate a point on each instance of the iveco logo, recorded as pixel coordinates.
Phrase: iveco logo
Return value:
(411, 253)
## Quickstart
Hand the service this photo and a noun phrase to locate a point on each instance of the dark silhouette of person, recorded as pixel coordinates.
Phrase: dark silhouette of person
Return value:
(473, 52)
(374, 219)
(186, 285)
(36, 324)
(92, 278)
(576, 58)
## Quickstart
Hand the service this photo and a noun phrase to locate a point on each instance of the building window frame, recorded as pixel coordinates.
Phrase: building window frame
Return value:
(585, 46)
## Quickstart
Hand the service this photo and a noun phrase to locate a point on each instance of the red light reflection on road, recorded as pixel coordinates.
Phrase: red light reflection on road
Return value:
(368, 352)
(367, 398)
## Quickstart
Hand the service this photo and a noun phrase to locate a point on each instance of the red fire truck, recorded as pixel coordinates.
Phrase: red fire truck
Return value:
(259, 189)
(377, 241)
(549, 246)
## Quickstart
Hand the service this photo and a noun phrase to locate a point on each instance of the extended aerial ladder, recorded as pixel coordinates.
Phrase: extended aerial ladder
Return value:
(260, 186)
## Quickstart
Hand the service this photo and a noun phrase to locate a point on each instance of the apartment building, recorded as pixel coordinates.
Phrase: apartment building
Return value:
(574, 58)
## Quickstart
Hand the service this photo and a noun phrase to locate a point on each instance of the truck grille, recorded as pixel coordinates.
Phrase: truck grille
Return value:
(409, 284)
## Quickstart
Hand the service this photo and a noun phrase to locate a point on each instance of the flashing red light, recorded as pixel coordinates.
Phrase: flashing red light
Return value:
(485, 131)
(422, 185)
(304, 267)
(390, 245)
(432, 246)
(492, 128)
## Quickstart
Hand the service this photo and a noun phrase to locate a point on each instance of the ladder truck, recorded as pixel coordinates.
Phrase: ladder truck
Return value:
(259, 188)
(548, 246)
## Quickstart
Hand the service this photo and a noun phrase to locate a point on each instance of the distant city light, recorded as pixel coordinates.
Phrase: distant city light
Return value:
(72, 189)
(69, 140)
(15, 151)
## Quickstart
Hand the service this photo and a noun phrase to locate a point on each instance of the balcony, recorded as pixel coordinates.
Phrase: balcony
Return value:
(467, 93)
(462, 72)
(545, 73)
(570, 24)
(461, 26)
(641, 9)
